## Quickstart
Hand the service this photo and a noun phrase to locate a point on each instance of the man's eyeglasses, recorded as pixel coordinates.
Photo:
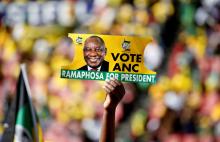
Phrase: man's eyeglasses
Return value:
(98, 50)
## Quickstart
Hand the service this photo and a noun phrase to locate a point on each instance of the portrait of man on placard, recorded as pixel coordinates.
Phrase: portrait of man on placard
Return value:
(94, 52)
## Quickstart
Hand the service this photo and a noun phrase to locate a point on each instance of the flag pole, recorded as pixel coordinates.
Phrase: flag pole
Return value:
(24, 73)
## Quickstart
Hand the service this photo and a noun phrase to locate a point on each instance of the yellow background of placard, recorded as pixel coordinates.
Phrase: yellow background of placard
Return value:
(114, 45)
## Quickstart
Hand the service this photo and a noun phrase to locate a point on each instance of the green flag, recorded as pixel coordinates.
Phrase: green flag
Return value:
(23, 124)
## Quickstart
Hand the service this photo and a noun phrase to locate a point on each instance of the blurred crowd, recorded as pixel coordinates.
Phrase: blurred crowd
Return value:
(184, 104)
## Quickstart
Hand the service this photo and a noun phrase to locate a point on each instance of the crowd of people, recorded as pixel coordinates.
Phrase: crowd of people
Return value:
(184, 104)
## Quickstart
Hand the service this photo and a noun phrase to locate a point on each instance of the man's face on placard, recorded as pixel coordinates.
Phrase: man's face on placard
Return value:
(94, 51)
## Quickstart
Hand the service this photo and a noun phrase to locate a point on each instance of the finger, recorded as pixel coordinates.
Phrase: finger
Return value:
(109, 86)
(113, 83)
(106, 89)
(118, 83)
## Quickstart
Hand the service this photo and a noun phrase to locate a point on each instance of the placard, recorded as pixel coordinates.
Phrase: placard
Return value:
(101, 57)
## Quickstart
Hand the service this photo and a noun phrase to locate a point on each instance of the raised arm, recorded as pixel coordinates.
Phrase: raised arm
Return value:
(114, 93)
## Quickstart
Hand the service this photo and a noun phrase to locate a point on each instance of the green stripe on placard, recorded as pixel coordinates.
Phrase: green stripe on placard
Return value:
(96, 75)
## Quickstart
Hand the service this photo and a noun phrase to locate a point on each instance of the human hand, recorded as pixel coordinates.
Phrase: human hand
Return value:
(115, 91)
